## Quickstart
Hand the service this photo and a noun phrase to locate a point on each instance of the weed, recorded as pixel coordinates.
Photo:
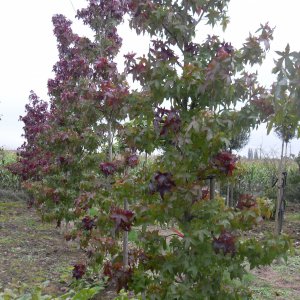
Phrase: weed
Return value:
(133, 236)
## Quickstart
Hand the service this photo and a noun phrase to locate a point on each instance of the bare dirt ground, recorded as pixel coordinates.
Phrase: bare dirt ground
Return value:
(32, 252)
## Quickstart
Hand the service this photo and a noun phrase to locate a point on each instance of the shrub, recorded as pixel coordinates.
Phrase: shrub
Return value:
(292, 189)
(8, 181)
(266, 207)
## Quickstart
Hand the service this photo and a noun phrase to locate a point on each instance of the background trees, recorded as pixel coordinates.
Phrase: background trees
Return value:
(286, 118)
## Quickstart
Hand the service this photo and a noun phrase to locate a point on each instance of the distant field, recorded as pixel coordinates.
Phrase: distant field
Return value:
(7, 156)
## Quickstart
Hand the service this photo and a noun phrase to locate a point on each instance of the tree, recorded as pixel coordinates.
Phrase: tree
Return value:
(250, 153)
(31, 157)
(285, 95)
(239, 140)
(185, 109)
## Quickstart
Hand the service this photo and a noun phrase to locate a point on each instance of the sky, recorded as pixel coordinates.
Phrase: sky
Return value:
(28, 53)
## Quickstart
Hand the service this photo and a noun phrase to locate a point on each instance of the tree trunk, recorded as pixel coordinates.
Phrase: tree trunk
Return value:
(279, 194)
(285, 156)
(228, 193)
(110, 142)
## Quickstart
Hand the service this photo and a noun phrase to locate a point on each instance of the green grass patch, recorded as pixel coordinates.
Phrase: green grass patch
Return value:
(269, 292)
(133, 236)
(249, 278)
(268, 288)
(293, 217)
(7, 240)
(7, 156)
(10, 205)
(292, 266)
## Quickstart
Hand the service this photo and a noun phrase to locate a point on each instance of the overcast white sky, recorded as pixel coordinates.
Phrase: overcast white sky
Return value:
(28, 52)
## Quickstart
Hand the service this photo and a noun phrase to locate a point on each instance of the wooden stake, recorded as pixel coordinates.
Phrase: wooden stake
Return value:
(279, 193)
(125, 241)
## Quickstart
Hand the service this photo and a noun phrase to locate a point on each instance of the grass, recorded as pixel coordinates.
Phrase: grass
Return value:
(11, 196)
(266, 292)
(7, 156)
(279, 281)
(293, 217)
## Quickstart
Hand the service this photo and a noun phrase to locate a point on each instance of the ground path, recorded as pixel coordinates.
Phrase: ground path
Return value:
(33, 252)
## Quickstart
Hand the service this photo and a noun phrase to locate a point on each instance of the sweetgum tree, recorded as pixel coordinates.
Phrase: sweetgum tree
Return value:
(185, 110)
(86, 98)
(86, 106)
(189, 93)
(31, 156)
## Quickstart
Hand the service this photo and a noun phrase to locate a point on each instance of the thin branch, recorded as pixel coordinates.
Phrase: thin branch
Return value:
(72, 5)
(173, 36)
(200, 19)
(179, 64)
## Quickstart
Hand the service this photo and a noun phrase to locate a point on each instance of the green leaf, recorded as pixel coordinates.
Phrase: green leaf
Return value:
(86, 293)
(93, 212)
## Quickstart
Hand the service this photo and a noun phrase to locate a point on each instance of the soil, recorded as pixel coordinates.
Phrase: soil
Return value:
(33, 252)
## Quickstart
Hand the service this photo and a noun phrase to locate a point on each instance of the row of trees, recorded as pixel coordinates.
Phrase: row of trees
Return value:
(253, 155)
(85, 156)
